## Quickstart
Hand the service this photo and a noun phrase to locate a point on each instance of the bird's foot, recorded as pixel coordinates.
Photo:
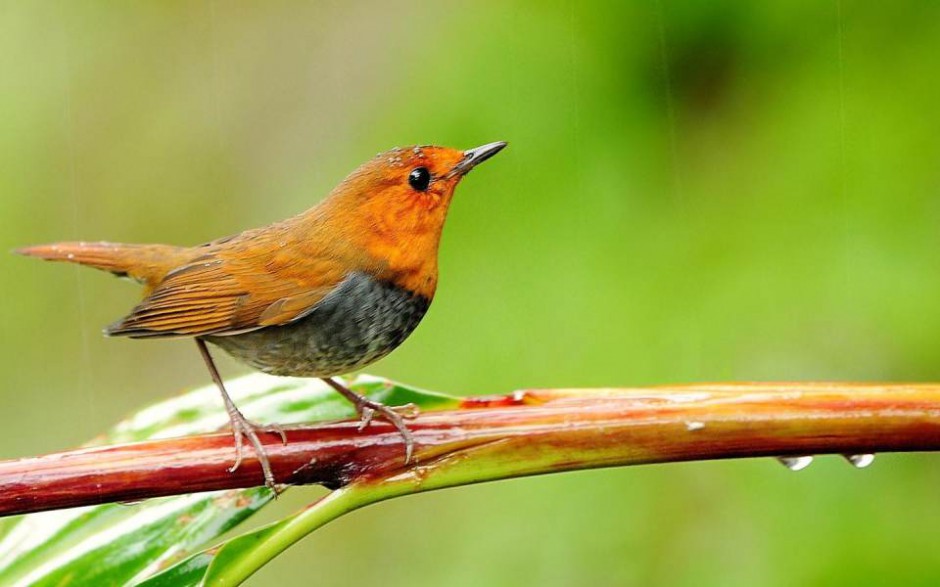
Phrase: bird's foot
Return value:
(367, 408)
(242, 429)
(394, 415)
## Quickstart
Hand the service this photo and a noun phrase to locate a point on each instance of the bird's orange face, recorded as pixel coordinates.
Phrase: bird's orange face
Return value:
(416, 178)
(394, 207)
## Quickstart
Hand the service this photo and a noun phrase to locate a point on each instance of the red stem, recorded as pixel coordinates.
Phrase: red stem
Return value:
(574, 428)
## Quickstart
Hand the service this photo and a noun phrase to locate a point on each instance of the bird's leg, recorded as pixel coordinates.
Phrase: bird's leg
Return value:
(367, 408)
(242, 426)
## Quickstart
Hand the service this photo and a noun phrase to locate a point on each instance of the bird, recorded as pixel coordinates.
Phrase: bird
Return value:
(321, 294)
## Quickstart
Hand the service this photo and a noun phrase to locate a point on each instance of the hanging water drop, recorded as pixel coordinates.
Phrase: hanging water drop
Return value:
(796, 463)
(860, 461)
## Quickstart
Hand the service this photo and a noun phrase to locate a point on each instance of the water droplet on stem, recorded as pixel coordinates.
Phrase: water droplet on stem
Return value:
(796, 463)
(860, 461)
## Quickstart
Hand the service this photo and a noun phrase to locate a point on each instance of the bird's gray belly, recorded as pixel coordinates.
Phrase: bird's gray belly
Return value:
(359, 322)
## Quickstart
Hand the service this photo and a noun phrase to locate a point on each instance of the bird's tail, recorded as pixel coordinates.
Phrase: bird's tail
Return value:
(145, 263)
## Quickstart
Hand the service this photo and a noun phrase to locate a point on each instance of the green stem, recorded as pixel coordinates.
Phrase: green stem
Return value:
(280, 536)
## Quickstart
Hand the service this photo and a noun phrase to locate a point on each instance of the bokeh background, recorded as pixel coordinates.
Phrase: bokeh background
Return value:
(693, 192)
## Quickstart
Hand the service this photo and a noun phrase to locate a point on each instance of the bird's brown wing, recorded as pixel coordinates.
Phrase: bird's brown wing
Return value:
(227, 291)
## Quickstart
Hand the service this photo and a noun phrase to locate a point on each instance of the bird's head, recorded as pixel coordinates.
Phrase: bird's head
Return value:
(395, 204)
(412, 181)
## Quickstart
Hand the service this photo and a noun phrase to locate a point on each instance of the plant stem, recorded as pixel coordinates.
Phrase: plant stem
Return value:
(281, 535)
(494, 437)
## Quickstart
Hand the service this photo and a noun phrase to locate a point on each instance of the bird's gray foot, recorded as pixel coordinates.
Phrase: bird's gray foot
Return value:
(368, 409)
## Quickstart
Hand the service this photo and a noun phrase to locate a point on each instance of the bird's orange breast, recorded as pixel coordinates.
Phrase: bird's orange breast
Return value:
(395, 237)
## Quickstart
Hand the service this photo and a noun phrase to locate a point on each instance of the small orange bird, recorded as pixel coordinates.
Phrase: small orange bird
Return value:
(321, 294)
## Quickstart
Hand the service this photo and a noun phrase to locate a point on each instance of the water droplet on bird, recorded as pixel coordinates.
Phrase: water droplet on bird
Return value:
(860, 461)
(693, 426)
(796, 463)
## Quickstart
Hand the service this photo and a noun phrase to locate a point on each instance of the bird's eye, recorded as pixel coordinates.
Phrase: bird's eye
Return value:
(419, 178)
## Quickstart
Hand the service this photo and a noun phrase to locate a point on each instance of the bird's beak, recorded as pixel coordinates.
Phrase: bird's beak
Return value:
(473, 157)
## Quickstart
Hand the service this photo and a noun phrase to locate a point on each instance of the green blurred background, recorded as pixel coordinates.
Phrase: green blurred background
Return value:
(693, 192)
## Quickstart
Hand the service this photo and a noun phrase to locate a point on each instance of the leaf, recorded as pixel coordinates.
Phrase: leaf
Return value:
(241, 556)
(117, 544)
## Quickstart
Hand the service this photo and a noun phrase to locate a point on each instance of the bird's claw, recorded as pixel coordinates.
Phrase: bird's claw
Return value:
(238, 434)
(243, 428)
(394, 415)
(408, 411)
(273, 429)
(365, 416)
(367, 409)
